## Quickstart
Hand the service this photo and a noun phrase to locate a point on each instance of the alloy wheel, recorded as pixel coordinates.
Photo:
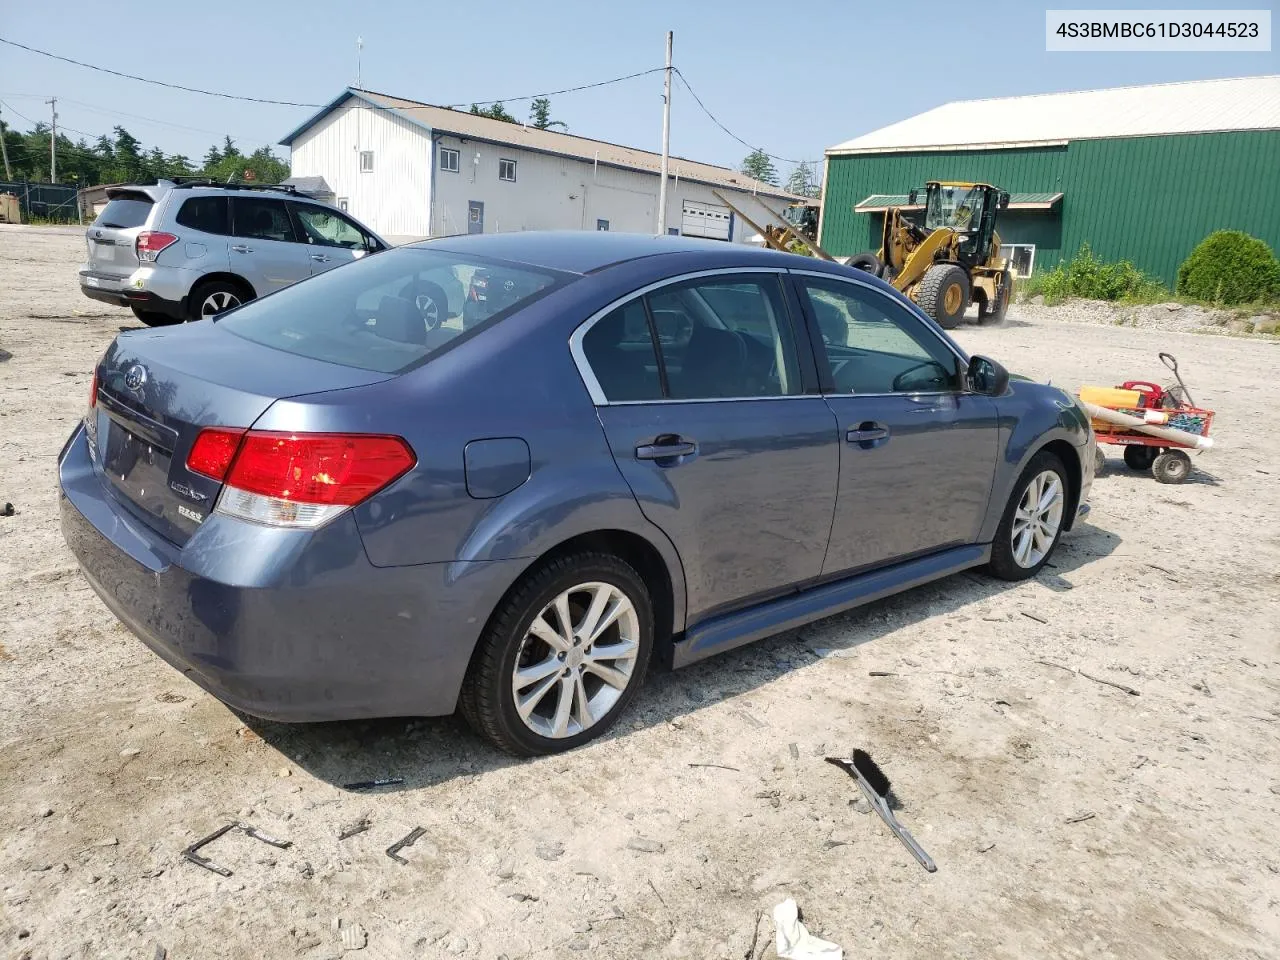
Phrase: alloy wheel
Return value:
(429, 309)
(218, 302)
(576, 660)
(1037, 519)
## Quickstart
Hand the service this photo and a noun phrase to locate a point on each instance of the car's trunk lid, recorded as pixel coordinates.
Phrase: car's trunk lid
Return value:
(112, 237)
(158, 388)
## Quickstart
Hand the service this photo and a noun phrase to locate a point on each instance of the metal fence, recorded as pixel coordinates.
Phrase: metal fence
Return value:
(45, 201)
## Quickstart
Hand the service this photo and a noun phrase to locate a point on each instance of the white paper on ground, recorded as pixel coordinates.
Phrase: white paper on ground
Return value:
(794, 942)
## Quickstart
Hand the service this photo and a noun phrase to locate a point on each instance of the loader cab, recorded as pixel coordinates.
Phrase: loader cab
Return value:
(970, 210)
(803, 218)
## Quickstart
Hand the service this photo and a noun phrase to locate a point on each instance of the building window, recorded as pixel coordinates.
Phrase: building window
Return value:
(366, 161)
(507, 170)
(448, 160)
(673, 231)
(342, 204)
(1021, 257)
(602, 224)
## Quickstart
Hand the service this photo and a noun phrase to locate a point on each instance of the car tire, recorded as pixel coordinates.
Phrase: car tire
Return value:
(1140, 458)
(512, 640)
(944, 294)
(153, 318)
(1031, 526)
(214, 297)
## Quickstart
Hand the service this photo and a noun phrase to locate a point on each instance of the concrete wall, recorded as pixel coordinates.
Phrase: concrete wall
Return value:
(393, 199)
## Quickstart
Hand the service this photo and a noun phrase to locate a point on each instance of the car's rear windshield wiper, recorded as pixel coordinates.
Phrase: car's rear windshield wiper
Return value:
(118, 226)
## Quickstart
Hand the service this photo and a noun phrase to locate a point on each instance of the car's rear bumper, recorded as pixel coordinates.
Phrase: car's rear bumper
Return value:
(282, 624)
(106, 288)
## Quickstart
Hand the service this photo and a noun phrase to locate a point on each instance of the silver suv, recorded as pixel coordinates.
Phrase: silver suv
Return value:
(183, 251)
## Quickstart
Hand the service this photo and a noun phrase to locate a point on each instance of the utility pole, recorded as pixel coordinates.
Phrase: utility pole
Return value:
(53, 141)
(8, 174)
(666, 140)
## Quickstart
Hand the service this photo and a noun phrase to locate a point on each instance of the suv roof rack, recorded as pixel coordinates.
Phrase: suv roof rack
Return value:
(186, 183)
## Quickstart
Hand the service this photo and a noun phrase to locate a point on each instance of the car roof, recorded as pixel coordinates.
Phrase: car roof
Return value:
(586, 251)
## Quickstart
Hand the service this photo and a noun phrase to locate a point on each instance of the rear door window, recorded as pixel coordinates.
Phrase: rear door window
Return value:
(125, 212)
(261, 218)
(381, 313)
(206, 214)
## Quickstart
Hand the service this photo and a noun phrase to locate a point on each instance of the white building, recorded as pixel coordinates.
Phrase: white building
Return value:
(411, 170)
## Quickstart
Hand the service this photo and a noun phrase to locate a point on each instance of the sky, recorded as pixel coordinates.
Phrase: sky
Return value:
(793, 79)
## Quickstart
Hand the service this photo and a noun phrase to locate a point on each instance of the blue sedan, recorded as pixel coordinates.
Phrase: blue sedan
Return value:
(353, 498)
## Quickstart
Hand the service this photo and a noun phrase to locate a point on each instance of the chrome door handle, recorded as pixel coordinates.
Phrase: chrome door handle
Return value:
(868, 434)
(666, 448)
(319, 258)
(241, 248)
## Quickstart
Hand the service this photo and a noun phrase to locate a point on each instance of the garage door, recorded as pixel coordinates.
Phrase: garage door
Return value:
(708, 220)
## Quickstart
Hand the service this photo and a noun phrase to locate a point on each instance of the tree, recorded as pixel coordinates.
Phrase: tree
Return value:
(758, 165)
(801, 181)
(540, 115)
(494, 112)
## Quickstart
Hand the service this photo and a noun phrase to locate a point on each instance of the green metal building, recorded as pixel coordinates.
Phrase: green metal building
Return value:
(1138, 173)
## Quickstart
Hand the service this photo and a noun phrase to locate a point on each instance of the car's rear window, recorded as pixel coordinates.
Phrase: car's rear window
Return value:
(389, 311)
(125, 212)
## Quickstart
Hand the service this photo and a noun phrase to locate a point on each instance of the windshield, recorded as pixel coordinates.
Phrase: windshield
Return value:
(957, 207)
(391, 311)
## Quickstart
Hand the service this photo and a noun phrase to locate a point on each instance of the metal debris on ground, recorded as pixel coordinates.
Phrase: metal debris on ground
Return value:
(1088, 676)
(718, 766)
(393, 851)
(1081, 817)
(191, 853)
(350, 829)
(370, 784)
(881, 673)
(1032, 616)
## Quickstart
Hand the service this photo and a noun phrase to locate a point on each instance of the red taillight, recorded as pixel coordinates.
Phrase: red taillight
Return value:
(320, 468)
(328, 469)
(93, 390)
(213, 451)
(151, 242)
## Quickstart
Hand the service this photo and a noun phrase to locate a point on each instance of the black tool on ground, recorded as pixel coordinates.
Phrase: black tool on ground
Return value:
(875, 787)
(393, 851)
(191, 852)
(370, 784)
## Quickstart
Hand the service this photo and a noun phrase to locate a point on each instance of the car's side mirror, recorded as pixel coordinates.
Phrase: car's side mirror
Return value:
(912, 196)
(986, 376)
(1004, 200)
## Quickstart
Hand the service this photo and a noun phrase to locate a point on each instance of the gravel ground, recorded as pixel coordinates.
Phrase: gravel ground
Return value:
(1068, 818)
(1169, 317)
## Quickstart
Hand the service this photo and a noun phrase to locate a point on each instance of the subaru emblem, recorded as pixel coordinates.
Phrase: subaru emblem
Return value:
(135, 377)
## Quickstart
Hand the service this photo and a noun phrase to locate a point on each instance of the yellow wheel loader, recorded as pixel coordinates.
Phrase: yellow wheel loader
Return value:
(952, 260)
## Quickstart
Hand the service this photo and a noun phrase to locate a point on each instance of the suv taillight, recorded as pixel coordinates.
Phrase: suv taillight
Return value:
(297, 479)
(151, 242)
(93, 390)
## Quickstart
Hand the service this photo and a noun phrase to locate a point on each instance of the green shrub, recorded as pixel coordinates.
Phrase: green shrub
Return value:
(1084, 275)
(1228, 267)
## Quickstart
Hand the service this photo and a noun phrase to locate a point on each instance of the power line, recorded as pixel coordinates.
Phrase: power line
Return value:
(549, 93)
(712, 117)
(158, 83)
(296, 103)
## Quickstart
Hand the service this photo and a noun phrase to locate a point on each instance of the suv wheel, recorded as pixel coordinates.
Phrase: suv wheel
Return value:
(561, 657)
(213, 297)
(1032, 522)
(152, 318)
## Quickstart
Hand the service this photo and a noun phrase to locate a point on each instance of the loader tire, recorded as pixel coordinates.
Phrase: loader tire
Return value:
(944, 294)
(868, 262)
(1001, 306)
